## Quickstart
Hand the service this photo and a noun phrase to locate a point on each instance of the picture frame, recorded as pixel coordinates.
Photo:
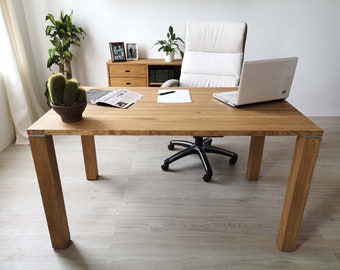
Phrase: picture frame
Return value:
(117, 50)
(131, 51)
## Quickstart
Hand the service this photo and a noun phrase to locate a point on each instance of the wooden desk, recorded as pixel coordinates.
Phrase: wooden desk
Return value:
(205, 116)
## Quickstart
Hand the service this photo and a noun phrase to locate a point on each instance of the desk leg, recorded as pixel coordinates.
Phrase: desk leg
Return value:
(303, 163)
(255, 157)
(46, 168)
(90, 157)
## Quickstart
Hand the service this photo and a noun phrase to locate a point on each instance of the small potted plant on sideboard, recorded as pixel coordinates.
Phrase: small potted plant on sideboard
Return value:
(171, 45)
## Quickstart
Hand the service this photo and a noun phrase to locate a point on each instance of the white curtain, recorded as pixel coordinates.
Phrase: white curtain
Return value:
(16, 73)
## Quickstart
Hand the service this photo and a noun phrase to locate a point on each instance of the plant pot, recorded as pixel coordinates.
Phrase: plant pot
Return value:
(72, 113)
(169, 57)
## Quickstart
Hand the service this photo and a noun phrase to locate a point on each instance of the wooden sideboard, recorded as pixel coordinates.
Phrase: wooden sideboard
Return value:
(142, 72)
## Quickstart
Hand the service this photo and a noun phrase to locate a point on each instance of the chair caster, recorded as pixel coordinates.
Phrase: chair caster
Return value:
(165, 167)
(233, 160)
(207, 177)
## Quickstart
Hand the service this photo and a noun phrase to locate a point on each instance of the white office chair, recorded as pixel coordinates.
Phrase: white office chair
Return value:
(213, 58)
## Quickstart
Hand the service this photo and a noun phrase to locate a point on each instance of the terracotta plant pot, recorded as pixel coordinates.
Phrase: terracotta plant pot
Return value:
(72, 113)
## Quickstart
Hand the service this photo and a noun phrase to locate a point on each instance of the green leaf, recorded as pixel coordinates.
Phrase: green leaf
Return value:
(63, 33)
(71, 15)
(50, 17)
(171, 30)
(182, 53)
(51, 52)
(53, 60)
(56, 42)
(48, 30)
(67, 44)
(179, 39)
(68, 54)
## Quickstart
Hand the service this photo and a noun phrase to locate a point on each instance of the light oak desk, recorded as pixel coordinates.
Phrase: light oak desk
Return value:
(205, 116)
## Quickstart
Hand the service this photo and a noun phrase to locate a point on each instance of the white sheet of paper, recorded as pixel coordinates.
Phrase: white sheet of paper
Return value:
(179, 96)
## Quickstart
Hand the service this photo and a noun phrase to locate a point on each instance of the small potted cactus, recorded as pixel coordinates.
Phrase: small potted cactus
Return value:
(68, 98)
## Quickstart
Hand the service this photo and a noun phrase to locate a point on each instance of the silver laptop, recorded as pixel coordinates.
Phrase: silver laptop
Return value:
(261, 81)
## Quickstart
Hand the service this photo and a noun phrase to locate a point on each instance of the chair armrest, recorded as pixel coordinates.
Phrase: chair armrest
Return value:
(171, 83)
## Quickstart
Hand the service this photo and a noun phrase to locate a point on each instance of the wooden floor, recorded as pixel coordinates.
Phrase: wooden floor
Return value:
(138, 217)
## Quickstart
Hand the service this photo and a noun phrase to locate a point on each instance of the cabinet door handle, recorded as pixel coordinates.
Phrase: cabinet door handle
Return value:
(127, 70)
(128, 83)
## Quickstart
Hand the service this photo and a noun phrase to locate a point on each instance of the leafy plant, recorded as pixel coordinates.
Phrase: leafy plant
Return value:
(63, 34)
(172, 43)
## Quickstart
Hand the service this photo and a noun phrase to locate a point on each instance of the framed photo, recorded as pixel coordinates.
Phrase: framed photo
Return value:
(131, 51)
(117, 51)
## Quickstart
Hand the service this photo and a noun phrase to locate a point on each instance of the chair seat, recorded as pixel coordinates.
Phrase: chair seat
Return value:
(200, 147)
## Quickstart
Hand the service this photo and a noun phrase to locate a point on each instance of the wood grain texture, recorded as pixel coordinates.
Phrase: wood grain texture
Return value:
(205, 116)
(302, 168)
(90, 157)
(255, 157)
(50, 188)
(136, 73)
(135, 216)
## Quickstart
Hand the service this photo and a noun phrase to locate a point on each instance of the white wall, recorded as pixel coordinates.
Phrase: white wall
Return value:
(308, 29)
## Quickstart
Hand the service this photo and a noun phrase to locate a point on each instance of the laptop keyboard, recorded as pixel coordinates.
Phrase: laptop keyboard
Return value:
(231, 96)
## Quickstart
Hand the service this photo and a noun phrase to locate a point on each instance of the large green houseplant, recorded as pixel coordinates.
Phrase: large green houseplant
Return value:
(171, 45)
(63, 34)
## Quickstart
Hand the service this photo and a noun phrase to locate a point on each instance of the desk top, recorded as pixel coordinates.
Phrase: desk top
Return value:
(205, 116)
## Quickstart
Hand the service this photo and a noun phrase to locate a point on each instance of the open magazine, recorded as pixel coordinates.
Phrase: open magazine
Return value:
(121, 98)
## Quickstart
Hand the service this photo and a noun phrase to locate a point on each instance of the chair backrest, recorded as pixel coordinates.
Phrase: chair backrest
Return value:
(213, 54)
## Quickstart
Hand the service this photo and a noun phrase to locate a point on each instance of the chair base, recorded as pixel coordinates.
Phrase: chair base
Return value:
(200, 147)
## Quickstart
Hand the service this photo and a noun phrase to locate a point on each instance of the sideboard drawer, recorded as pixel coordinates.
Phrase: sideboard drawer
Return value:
(133, 82)
(128, 71)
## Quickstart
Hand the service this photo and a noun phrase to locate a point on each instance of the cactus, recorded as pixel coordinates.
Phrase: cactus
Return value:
(65, 92)
(71, 91)
(82, 97)
(56, 86)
